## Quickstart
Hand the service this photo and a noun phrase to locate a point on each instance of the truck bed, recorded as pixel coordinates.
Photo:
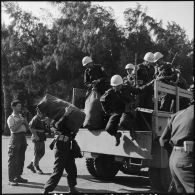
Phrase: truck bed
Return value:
(99, 141)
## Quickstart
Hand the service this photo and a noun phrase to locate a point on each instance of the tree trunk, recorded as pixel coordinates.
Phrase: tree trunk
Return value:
(6, 94)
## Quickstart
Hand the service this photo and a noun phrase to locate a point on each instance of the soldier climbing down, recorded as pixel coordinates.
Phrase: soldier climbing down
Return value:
(116, 103)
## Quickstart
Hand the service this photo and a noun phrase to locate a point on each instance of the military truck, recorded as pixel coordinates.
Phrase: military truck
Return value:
(104, 159)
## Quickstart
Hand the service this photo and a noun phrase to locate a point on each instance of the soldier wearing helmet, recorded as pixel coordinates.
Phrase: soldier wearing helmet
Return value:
(130, 78)
(94, 76)
(145, 71)
(116, 103)
(164, 70)
(166, 74)
(145, 74)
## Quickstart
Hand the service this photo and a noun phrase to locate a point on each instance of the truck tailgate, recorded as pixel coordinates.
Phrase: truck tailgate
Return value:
(100, 141)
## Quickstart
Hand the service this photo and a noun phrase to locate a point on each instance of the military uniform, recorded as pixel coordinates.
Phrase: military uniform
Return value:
(145, 74)
(117, 104)
(129, 80)
(97, 74)
(166, 75)
(64, 158)
(179, 129)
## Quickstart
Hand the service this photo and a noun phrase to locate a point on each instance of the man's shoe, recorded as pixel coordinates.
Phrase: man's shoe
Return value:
(21, 180)
(38, 170)
(118, 136)
(73, 190)
(31, 167)
(13, 183)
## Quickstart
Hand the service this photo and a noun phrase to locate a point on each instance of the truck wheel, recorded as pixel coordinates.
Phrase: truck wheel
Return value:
(106, 167)
(91, 166)
(160, 178)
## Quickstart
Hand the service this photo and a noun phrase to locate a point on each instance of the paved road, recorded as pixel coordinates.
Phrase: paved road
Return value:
(86, 183)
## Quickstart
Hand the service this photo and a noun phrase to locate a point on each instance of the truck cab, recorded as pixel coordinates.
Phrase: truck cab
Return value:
(104, 159)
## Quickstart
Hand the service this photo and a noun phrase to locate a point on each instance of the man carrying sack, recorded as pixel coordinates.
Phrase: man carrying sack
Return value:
(66, 148)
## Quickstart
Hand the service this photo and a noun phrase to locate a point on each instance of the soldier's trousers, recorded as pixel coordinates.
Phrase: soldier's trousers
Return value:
(122, 120)
(16, 155)
(39, 151)
(63, 160)
(182, 171)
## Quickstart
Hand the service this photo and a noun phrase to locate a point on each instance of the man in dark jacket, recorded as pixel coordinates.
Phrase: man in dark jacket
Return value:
(64, 158)
(179, 136)
(145, 74)
(94, 76)
(116, 103)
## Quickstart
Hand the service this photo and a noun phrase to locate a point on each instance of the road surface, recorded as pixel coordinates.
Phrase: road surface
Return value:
(85, 183)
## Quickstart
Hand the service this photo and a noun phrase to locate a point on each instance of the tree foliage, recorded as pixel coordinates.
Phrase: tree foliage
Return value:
(37, 59)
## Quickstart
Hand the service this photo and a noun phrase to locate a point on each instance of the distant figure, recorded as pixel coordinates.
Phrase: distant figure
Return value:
(130, 78)
(18, 127)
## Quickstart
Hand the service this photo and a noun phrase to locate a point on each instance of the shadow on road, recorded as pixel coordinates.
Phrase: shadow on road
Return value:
(128, 181)
(82, 190)
(32, 185)
(132, 181)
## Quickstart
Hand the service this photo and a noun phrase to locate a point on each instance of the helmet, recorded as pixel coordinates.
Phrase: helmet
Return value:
(129, 66)
(116, 80)
(86, 60)
(149, 57)
(157, 56)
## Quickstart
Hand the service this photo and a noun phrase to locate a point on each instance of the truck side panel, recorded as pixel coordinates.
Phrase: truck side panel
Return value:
(101, 142)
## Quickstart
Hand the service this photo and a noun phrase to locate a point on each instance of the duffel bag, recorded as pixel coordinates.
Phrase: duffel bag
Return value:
(54, 108)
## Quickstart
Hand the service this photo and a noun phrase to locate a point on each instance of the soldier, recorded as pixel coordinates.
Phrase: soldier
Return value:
(145, 74)
(166, 75)
(178, 136)
(116, 103)
(64, 158)
(38, 129)
(94, 76)
(130, 78)
(18, 127)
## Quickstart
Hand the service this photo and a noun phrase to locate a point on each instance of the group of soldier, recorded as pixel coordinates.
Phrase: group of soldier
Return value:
(134, 90)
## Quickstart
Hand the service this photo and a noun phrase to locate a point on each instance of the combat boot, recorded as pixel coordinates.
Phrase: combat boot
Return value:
(73, 190)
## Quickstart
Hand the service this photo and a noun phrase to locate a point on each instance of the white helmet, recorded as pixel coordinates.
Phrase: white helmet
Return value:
(116, 80)
(129, 66)
(149, 57)
(86, 60)
(157, 56)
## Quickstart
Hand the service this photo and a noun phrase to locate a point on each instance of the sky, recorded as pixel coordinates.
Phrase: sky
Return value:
(182, 12)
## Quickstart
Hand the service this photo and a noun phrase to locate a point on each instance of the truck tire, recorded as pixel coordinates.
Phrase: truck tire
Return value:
(91, 166)
(102, 167)
(160, 178)
(106, 167)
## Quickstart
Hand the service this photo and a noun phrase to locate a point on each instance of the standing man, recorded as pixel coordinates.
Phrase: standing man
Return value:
(179, 134)
(145, 74)
(17, 146)
(64, 158)
(94, 76)
(38, 129)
